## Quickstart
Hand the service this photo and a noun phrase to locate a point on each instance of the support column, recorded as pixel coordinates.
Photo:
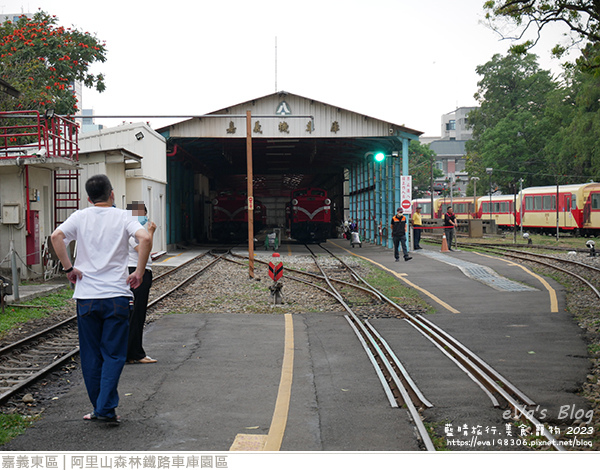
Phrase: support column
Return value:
(390, 205)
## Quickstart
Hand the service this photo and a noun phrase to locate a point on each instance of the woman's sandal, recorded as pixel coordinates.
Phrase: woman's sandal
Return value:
(144, 360)
(113, 421)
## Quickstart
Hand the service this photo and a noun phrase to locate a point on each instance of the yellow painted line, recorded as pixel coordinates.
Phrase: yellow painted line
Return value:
(170, 257)
(403, 279)
(272, 441)
(551, 291)
(282, 406)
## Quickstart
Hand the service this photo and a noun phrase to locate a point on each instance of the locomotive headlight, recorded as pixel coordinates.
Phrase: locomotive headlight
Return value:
(327, 201)
(295, 202)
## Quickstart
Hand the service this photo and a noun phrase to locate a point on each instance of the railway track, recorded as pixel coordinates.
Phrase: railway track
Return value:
(177, 278)
(587, 274)
(337, 282)
(398, 384)
(28, 360)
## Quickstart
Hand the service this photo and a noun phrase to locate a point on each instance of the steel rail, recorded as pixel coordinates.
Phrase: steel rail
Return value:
(558, 268)
(185, 281)
(480, 372)
(386, 387)
(37, 335)
(24, 377)
(458, 364)
(385, 365)
(507, 252)
(316, 276)
(33, 375)
(411, 387)
(472, 362)
(181, 266)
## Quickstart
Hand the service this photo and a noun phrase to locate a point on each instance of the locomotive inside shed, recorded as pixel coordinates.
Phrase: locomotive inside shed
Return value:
(296, 142)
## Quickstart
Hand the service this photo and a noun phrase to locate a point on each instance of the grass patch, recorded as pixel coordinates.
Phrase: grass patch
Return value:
(439, 442)
(394, 289)
(13, 425)
(14, 316)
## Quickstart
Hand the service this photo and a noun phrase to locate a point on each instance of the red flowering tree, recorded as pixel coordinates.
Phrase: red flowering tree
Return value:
(43, 60)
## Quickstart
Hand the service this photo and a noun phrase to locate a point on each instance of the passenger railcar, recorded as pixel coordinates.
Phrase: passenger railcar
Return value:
(463, 207)
(539, 208)
(309, 215)
(572, 208)
(425, 204)
(500, 208)
(230, 216)
(589, 209)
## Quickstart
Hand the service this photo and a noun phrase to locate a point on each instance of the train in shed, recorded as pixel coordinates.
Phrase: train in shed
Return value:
(230, 216)
(573, 208)
(308, 215)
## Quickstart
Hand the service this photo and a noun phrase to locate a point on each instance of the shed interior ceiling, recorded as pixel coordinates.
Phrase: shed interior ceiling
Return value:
(279, 165)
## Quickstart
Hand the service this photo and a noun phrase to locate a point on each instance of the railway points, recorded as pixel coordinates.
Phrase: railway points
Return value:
(220, 374)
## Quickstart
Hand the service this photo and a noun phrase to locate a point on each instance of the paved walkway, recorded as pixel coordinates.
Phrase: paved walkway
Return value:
(225, 382)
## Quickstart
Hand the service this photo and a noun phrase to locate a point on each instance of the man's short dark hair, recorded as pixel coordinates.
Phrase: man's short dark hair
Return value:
(98, 188)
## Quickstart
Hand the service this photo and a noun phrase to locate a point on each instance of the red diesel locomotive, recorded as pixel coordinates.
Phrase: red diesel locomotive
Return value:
(230, 216)
(309, 215)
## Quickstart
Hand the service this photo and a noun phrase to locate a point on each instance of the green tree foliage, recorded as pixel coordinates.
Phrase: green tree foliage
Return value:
(575, 112)
(582, 18)
(42, 60)
(511, 127)
(421, 163)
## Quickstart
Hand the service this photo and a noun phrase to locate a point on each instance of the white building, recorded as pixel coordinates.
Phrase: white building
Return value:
(41, 185)
(133, 156)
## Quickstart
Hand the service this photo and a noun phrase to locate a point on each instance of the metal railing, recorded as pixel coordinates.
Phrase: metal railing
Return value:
(30, 134)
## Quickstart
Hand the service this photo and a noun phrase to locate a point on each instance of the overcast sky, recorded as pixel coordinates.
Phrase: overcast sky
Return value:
(403, 61)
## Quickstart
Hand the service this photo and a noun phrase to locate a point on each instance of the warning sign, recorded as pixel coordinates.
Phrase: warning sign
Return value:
(275, 271)
(406, 193)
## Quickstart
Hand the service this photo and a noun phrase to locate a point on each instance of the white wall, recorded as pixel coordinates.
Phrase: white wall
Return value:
(13, 190)
(147, 184)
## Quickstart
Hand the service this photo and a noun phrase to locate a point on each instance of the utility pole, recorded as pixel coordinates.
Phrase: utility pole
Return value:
(250, 201)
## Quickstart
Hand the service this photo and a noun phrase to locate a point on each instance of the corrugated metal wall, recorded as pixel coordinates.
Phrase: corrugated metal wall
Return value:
(374, 195)
(329, 121)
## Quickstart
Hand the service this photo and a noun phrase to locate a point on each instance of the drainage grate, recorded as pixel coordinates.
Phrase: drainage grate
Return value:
(481, 273)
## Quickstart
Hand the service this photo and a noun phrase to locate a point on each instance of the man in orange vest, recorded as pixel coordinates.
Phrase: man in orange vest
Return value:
(399, 234)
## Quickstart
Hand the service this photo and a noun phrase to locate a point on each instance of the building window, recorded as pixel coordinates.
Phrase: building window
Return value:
(451, 125)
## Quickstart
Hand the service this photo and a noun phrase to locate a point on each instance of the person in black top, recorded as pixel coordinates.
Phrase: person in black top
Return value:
(399, 234)
(449, 226)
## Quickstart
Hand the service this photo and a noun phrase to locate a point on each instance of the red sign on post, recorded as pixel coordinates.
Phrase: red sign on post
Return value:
(406, 194)
(250, 203)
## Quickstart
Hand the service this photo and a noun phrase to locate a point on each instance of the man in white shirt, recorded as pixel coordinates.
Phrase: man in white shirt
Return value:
(102, 289)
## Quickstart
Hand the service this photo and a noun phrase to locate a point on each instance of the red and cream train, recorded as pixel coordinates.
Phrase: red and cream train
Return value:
(573, 208)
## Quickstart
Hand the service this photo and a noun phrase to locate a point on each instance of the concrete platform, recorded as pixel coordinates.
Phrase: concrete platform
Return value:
(218, 381)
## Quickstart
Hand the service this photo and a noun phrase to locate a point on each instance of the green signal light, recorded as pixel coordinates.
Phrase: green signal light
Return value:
(379, 157)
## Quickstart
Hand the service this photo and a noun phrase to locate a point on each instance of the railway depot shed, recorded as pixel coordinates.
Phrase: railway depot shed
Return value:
(296, 142)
